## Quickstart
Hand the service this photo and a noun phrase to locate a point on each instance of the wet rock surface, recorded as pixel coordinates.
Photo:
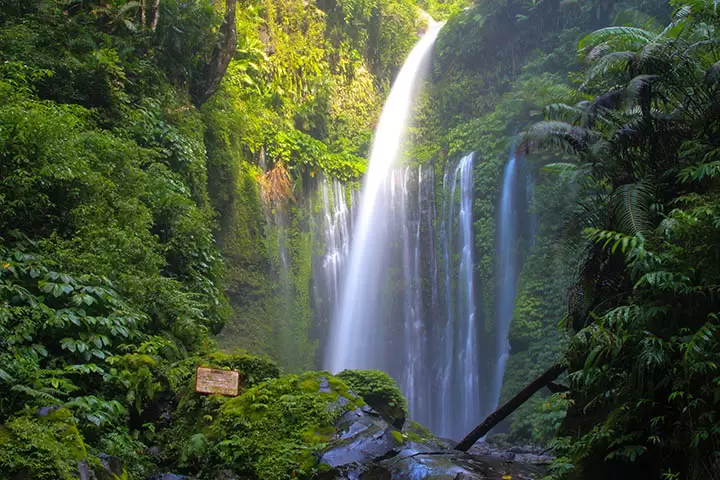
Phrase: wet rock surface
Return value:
(522, 454)
(366, 447)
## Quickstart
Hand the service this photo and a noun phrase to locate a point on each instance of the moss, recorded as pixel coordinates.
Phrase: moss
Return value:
(253, 368)
(41, 448)
(415, 432)
(196, 412)
(273, 429)
(398, 436)
(380, 391)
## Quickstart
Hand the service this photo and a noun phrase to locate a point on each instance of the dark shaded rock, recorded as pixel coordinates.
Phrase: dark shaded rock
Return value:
(112, 467)
(168, 476)
(85, 472)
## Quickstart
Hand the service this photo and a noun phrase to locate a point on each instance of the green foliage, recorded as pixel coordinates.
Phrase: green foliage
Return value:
(644, 357)
(186, 439)
(45, 448)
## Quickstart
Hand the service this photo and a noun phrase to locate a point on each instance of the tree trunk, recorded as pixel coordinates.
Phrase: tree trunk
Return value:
(501, 413)
(155, 15)
(143, 14)
(214, 71)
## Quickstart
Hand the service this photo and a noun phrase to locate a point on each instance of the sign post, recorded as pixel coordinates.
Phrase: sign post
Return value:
(222, 382)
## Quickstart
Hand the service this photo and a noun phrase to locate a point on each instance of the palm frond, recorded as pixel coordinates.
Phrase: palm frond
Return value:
(554, 134)
(631, 207)
(611, 63)
(626, 38)
(564, 112)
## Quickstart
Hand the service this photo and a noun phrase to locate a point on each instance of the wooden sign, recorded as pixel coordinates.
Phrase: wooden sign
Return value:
(212, 380)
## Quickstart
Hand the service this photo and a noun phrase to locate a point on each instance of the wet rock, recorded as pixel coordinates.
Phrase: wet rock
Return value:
(85, 472)
(168, 476)
(454, 465)
(363, 437)
(366, 447)
(324, 385)
(45, 411)
(526, 454)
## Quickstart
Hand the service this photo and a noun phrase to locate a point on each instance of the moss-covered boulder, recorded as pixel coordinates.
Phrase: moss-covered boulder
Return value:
(274, 429)
(185, 441)
(41, 447)
(380, 391)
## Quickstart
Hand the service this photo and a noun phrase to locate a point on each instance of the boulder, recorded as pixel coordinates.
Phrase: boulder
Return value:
(379, 391)
(366, 447)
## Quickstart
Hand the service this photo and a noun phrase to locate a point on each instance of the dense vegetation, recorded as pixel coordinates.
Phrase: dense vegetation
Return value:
(625, 169)
(138, 216)
(134, 207)
(643, 310)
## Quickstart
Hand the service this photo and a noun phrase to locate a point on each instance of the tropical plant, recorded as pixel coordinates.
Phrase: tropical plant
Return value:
(644, 358)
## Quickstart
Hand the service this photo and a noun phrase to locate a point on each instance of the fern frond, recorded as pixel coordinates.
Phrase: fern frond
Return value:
(564, 113)
(625, 316)
(36, 394)
(665, 281)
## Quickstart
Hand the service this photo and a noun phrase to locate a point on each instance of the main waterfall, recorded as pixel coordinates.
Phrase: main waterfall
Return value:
(405, 296)
(354, 332)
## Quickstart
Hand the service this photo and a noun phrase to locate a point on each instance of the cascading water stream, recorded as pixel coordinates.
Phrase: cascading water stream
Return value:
(355, 339)
(461, 401)
(337, 218)
(507, 268)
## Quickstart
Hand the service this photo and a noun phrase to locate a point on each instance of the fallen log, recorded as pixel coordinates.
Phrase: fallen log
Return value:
(513, 404)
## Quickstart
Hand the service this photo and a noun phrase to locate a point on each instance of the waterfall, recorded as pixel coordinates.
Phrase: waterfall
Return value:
(337, 217)
(356, 336)
(461, 401)
(508, 238)
(334, 223)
